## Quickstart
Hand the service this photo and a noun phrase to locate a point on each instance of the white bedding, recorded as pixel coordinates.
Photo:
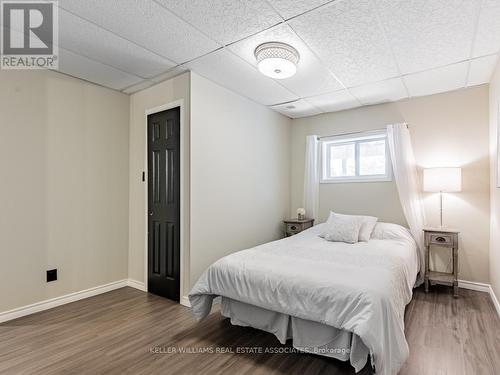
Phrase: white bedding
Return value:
(362, 288)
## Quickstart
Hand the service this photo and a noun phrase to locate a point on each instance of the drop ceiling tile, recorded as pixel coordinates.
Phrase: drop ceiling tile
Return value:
(89, 40)
(481, 70)
(138, 87)
(171, 73)
(488, 29)
(438, 80)
(225, 20)
(348, 39)
(380, 92)
(235, 74)
(292, 8)
(296, 109)
(93, 71)
(334, 101)
(146, 23)
(311, 78)
(427, 34)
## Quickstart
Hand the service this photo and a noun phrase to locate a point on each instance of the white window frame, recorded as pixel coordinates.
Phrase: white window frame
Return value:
(357, 139)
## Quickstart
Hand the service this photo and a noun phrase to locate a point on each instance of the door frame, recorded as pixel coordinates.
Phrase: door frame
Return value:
(183, 171)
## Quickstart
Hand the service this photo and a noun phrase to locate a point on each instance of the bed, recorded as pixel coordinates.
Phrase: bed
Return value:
(335, 299)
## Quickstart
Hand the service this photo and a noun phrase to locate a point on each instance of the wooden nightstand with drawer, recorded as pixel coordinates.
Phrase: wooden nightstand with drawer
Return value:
(441, 237)
(294, 226)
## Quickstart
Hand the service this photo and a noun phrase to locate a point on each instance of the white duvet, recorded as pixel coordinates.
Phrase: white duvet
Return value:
(362, 288)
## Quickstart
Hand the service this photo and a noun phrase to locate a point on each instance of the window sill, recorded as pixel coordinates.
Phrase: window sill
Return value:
(356, 180)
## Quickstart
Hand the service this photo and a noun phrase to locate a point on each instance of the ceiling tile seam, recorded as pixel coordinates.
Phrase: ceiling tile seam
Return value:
(104, 63)
(181, 66)
(446, 65)
(120, 36)
(474, 37)
(135, 84)
(313, 105)
(294, 101)
(322, 62)
(494, 68)
(274, 9)
(257, 70)
(253, 34)
(220, 43)
(234, 92)
(317, 8)
(283, 103)
(188, 23)
(87, 81)
(388, 42)
(317, 56)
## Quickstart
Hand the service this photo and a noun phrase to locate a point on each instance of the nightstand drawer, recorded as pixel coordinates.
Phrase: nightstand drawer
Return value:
(441, 239)
(293, 228)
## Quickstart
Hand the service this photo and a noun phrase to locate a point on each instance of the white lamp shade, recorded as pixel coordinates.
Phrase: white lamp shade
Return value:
(446, 180)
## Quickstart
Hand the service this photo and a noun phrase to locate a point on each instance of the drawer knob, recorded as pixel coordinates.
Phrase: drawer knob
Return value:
(293, 227)
(440, 239)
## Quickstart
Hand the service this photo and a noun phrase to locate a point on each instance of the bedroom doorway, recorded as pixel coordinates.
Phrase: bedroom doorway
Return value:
(164, 203)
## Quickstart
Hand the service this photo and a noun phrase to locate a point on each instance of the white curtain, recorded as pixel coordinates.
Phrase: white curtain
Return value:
(405, 174)
(311, 177)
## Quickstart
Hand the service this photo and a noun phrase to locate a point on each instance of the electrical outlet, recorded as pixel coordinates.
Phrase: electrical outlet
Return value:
(51, 275)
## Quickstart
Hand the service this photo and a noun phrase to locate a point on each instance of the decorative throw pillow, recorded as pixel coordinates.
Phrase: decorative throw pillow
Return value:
(342, 228)
(367, 223)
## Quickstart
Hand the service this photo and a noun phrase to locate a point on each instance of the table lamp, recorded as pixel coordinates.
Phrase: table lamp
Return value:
(442, 180)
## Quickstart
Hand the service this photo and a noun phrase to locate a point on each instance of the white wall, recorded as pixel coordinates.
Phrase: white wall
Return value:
(163, 93)
(240, 173)
(449, 129)
(495, 192)
(64, 191)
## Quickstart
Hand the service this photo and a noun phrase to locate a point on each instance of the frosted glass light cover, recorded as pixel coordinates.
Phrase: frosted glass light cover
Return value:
(277, 60)
(446, 180)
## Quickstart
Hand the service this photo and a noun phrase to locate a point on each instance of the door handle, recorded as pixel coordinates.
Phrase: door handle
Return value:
(151, 214)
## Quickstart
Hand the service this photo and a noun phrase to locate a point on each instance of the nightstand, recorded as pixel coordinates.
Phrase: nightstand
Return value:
(294, 226)
(442, 237)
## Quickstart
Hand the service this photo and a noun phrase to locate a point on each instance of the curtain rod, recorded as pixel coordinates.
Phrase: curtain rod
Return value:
(353, 133)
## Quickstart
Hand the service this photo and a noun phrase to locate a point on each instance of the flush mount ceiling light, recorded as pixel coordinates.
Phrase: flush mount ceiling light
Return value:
(277, 60)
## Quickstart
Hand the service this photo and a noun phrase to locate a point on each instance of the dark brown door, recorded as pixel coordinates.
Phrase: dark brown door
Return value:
(164, 203)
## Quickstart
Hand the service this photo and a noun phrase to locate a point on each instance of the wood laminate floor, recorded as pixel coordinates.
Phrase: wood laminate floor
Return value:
(130, 332)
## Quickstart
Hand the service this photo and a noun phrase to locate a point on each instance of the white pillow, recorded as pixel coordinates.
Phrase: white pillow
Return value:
(389, 231)
(341, 228)
(367, 223)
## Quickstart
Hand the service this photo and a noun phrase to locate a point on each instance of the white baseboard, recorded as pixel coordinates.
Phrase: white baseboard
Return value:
(76, 296)
(495, 300)
(479, 287)
(185, 301)
(61, 300)
(136, 284)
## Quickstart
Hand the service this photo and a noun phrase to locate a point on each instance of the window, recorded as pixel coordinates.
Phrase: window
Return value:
(362, 157)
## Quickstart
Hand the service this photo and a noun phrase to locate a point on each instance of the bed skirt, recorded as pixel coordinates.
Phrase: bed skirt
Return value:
(306, 335)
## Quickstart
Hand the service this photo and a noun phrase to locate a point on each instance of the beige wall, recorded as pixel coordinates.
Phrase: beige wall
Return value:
(495, 192)
(448, 129)
(64, 191)
(163, 93)
(240, 176)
